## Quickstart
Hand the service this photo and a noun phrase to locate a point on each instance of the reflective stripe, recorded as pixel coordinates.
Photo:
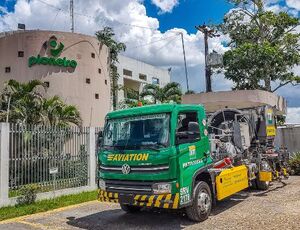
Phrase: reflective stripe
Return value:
(157, 202)
(160, 201)
(143, 198)
(175, 204)
(166, 205)
(150, 201)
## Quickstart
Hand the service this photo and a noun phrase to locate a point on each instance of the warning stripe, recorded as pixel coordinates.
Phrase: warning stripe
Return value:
(176, 201)
(159, 201)
(143, 198)
(167, 199)
(150, 201)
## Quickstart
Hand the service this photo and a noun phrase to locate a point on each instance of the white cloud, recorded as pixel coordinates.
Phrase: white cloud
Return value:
(165, 6)
(293, 116)
(149, 45)
(293, 4)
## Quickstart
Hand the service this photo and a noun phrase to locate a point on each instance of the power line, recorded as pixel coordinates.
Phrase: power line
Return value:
(150, 43)
(93, 17)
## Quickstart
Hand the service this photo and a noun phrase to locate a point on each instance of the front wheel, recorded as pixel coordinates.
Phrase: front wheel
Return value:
(130, 208)
(202, 203)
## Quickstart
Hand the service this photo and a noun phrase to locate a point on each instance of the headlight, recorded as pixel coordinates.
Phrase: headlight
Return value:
(102, 184)
(161, 188)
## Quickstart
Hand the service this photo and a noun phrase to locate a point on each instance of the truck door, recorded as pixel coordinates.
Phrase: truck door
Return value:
(191, 149)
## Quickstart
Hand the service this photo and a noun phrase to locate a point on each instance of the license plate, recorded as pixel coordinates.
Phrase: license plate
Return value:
(126, 199)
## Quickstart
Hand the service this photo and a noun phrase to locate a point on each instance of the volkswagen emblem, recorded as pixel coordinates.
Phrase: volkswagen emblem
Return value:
(126, 169)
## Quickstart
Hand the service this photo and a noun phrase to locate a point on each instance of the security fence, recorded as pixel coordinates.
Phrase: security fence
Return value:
(51, 158)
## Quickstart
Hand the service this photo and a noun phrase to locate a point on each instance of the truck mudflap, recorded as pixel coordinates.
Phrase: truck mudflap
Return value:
(167, 201)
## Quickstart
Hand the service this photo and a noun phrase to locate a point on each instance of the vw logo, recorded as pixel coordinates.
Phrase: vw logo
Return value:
(126, 169)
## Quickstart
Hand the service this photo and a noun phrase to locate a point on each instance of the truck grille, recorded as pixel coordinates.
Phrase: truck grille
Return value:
(129, 186)
(136, 169)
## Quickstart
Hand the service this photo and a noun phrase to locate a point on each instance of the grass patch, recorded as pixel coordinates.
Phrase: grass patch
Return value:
(46, 205)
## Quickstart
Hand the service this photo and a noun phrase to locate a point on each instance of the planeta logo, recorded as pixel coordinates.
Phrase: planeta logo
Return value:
(55, 49)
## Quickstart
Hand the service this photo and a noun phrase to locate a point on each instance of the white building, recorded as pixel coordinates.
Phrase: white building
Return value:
(135, 74)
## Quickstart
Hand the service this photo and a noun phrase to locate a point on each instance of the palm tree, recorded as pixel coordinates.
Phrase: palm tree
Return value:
(170, 92)
(57, 113)
(25, 103)
(106, 37)
(21, 102)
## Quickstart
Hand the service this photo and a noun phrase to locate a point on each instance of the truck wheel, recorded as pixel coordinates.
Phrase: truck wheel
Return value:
(262, 185)
(202, 203)
(130, 208)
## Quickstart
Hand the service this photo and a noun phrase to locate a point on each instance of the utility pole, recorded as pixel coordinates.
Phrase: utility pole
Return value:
(185, 67)
(208, 33)
(72, 15)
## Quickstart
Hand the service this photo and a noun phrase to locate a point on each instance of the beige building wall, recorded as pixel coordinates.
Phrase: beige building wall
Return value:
(92, 99)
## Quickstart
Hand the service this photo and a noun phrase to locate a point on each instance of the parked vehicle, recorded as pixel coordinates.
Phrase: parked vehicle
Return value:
(173, 157)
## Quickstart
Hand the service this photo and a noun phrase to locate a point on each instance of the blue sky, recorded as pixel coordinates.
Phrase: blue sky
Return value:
(159, 46)
(190, 13)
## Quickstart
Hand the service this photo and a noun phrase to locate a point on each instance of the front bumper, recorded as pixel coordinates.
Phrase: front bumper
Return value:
(167, 201)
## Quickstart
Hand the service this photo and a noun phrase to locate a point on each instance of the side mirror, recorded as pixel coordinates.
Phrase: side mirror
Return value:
(181, 137)
(186, 137)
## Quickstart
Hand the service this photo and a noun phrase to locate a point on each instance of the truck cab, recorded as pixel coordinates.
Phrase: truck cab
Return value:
(157, 156)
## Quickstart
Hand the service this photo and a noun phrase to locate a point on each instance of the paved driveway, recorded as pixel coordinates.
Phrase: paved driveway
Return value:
(278, 208)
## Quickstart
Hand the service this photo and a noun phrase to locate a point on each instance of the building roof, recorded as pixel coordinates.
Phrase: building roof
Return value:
(239, 99)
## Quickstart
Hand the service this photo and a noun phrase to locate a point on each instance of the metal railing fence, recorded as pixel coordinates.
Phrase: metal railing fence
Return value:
(50, 157)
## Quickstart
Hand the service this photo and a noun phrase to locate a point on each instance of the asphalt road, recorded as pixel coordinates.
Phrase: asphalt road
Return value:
(278, 208)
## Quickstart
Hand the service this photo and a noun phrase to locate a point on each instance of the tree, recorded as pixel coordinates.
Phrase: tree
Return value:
(170, 92)
(57, 113)
(25, 103)
(21, 102)
(132, 99)
(106, 37)
(265, 46)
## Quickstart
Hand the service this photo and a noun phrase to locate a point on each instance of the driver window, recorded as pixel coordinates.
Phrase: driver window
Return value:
(187, 128)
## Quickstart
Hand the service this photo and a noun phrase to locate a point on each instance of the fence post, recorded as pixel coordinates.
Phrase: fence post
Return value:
(4, 160)
(92, 158)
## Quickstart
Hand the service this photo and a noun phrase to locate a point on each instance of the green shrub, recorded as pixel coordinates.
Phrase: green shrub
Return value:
(295, 163)
(28, 194)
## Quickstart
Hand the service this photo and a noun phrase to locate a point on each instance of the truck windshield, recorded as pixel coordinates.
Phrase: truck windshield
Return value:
(149, 131)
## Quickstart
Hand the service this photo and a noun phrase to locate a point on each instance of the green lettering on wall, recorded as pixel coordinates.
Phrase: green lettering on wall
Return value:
(55, 50)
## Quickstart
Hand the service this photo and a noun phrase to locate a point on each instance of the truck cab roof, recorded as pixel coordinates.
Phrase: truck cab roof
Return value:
(152, 109)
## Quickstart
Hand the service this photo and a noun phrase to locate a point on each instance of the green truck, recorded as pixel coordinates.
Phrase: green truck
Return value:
(160, 156)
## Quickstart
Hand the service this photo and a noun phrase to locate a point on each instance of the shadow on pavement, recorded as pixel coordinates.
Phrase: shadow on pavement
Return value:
(147, 219)
(153, 219)
(118, 219)
(228, 203)
(264, 193)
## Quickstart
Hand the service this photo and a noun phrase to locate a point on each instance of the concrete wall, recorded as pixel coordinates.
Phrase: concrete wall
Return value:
(288, 137)
(137, 68)
(67, 83)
